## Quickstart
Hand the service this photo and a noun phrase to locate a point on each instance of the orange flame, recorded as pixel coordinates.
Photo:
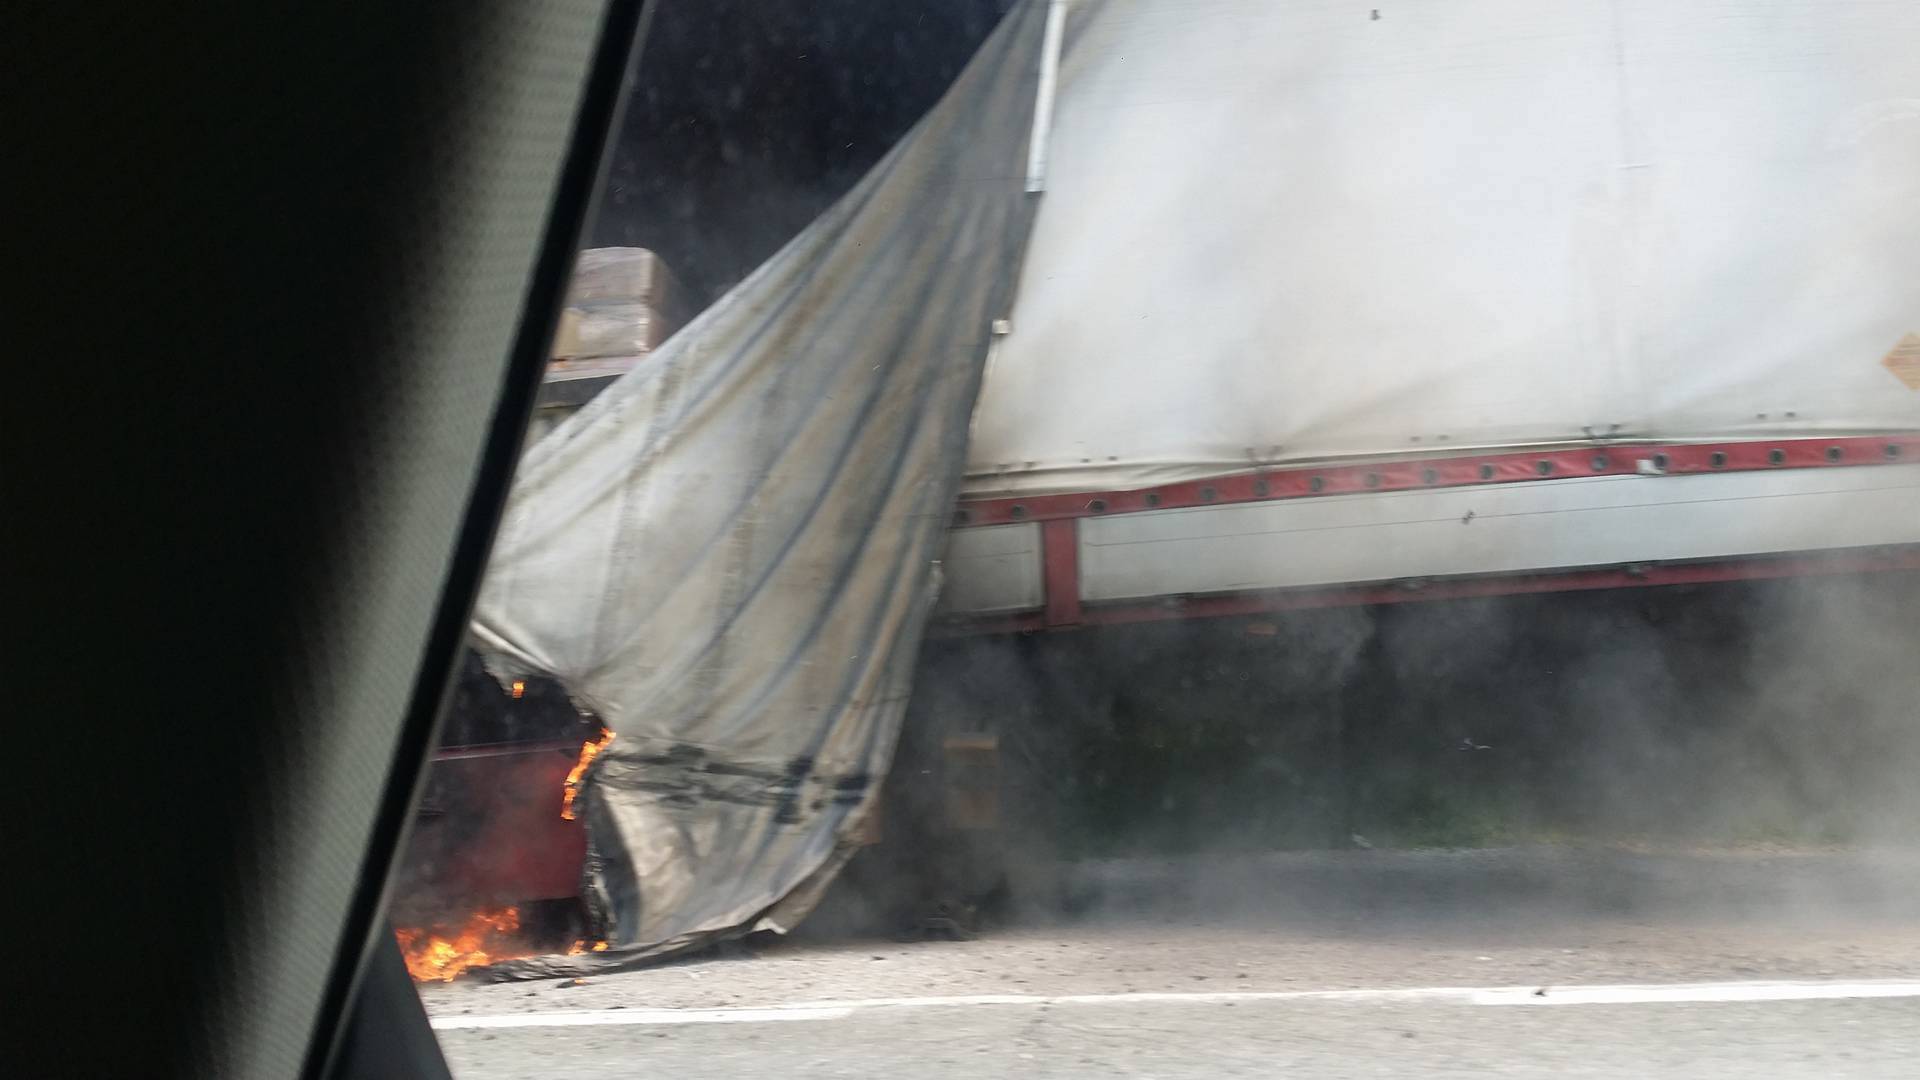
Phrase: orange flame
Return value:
(588, 751)
(581, 946)
(433, 955)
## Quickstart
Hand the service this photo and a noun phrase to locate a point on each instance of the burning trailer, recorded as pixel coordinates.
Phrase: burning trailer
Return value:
(1166, 315)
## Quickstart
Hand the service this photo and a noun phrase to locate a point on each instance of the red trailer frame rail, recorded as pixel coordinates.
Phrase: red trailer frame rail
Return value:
(1314, 481)
(1058, 516)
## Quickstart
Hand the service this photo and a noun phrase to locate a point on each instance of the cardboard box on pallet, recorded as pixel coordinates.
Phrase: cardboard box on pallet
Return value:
(622, 302)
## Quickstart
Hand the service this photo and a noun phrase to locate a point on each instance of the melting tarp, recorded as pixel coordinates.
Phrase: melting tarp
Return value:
(730, 553)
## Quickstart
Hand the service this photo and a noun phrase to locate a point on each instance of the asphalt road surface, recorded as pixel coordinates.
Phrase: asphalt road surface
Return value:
(1512, 963)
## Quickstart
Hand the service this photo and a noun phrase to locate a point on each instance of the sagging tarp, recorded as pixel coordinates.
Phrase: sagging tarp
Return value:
(729, 554)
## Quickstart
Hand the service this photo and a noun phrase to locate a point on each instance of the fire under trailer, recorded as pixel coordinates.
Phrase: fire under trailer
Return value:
(1172, 311)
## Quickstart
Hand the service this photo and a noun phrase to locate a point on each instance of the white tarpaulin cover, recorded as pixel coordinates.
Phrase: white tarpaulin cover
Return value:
(1281, 232)
(728, 555)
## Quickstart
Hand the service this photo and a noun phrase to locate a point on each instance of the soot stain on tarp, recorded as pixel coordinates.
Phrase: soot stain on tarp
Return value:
(685, 776)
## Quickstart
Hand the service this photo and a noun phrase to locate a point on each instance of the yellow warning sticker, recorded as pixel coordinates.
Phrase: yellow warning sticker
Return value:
(1904, 361)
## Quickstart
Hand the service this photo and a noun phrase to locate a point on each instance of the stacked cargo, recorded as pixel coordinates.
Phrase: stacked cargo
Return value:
(622, 304)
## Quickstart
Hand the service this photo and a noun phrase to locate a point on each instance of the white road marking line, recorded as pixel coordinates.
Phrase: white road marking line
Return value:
(1646, 994)
(1685, 992)
(618, 1017)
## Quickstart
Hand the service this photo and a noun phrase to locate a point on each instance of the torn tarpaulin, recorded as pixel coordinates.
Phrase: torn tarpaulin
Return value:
(729, 554)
